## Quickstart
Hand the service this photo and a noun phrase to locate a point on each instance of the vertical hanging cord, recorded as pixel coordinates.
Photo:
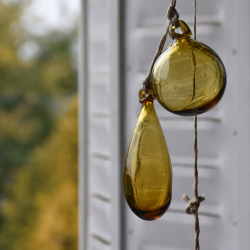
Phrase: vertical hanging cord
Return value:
(197, 223)
(195, 8)
(193, 205)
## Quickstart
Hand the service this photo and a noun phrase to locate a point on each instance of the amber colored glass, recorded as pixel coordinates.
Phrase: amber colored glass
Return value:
(148, 172)
(189, 78)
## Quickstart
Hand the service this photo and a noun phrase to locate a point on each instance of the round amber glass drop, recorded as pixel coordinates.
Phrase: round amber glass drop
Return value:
(148, 172)
(189, 78)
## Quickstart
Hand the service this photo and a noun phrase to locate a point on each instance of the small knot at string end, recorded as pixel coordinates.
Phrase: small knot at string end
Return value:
(193, 205)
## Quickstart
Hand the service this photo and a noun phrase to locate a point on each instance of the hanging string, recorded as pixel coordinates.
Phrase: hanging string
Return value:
(195, 9)
(173, 18)
(193, 205)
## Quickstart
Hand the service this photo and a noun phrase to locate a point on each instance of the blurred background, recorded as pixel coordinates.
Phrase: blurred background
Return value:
(38, 124)
(52, 50)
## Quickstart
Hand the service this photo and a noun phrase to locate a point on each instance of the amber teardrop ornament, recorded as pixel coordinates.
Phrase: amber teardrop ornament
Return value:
(188, 78)
(148, 172)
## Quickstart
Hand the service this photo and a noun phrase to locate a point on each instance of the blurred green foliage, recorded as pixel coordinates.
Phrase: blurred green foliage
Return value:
(38, 152)
(41, 211)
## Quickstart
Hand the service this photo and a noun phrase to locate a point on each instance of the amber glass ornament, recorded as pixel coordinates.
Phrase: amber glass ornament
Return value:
(189, 78)
(148, 172)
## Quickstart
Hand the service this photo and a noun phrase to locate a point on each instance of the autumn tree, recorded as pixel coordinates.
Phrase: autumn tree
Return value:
(41, 209)
(38, 140)
(34, 90)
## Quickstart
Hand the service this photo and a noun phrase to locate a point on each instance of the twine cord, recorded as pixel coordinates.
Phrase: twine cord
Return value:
(195, 10)
(193, 205)
(173, 18)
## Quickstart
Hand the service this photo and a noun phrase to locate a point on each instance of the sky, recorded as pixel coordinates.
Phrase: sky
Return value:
(44, 15)
(51, 14)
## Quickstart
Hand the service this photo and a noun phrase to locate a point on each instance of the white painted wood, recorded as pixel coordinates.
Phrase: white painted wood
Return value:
(145, 24)
(116, 113)
(83, 128)
(242, 116)
(115, 75)
(101, 212)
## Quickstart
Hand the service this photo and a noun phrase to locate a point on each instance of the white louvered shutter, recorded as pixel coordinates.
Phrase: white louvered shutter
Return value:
(100, 170)
(119, 42)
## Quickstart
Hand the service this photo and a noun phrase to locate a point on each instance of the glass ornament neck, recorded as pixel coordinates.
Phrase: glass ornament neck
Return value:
(146, 96)
(186, 31)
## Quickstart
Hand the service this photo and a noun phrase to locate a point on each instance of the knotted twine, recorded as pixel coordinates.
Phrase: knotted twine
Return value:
(194, 204)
